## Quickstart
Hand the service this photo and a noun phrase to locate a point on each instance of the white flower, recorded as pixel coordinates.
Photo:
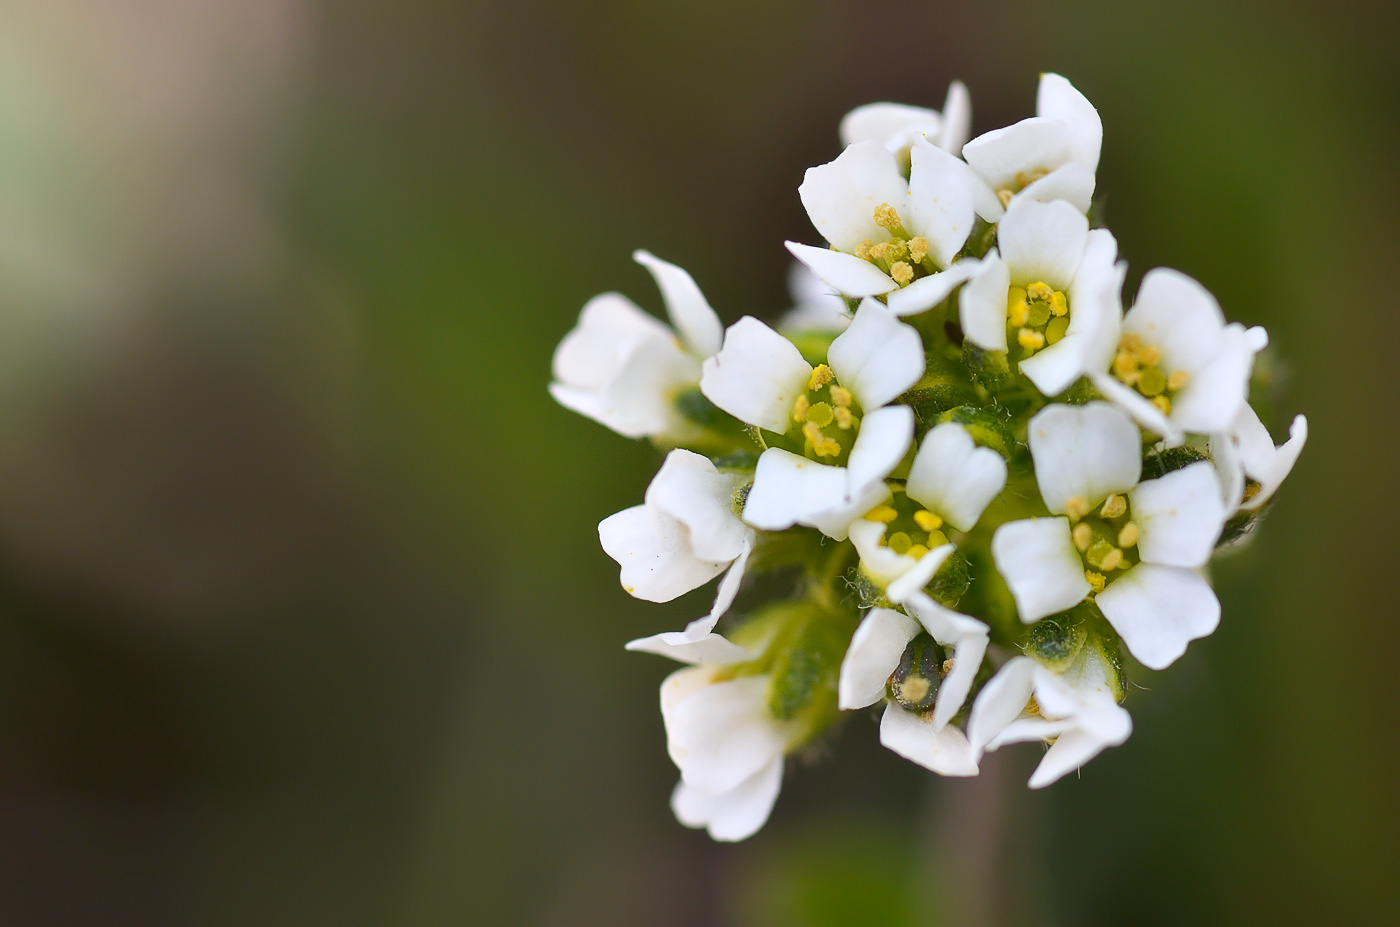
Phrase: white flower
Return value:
(836, 412)
(685, 534)
(1178, 367)
(1076, 709)
(1245, 452)
(887, 232)
(875, 653)
(1052, 156)
(1053, 282)
(897, 126)
(728, 746)
(624, 369)
(1134, 546)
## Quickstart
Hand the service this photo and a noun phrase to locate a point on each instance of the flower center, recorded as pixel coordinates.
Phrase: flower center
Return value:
(1036, 315)
(1022, 180)
(910, 529)
(1106, 539)
(826, 419)
(1139, 366)
(904, 257)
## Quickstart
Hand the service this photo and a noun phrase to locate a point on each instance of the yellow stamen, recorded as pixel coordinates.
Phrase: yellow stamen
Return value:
(863, 250)
(1112, 559)
(1040, 290)
(1033, 707)
(927, 520)
(1030, 339)
(1131, 342)
(887, 218)
(1150, 354)
(948, 665)
(1077, 507)
(1096, 581)
(1005, 196)
(1128, 537)
(918, 249)
(1177, 380)
(1115, 506)
(1083, 536)
(882, 513)
(1125, 367)
(845, 420)
(822, 446)
(899, 542)
(821, 376)
(841, 396)
(1058, 304)
(901, 273)
(917, 551)
(800, 407)
(1163, 403)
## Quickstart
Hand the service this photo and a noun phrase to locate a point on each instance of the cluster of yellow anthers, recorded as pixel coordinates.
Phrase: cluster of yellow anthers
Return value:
(913, 540)
(818, 418)
(1039, 313)
(1022, 180)
(903, 257)
(1107, 541)
(1138, 365)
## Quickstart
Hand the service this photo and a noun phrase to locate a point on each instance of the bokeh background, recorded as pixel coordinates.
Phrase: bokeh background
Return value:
(302, 615)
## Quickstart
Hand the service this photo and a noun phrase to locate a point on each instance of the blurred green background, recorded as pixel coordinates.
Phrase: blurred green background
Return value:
(302, 614)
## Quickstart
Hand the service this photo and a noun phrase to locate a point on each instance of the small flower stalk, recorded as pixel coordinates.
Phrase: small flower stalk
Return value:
(995, 487)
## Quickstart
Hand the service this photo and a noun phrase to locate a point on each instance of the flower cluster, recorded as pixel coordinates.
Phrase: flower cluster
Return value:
(990, 477)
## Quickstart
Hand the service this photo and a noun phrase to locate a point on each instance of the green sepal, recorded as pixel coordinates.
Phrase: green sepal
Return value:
(1054, 642)
(991, 369)
(952, 580)
(1160, 462)
(987, 428)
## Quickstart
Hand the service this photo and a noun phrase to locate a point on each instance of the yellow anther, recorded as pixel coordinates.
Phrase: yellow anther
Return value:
(1111, 560)
(899, 542)
(845, 419)
(1077, 507)
(927, 520)
(1125, 367)
(1128, 537)
(863, 250)
(1041, 290)
(842, 397)
(800, 407)
(917, 551)
(1058, 304)
(1083, 536)
(822, 446)
(821, 376)
(948, 665)
(1178, 380)
(1005, 196)
(918, 249)
(901, 273)
(1115, 506)
(880, 251)
(1018, 313)
(1096, 581)
(882, 513)
(1131, 342)
(1150, 354)
(937, 539)
(886, 217)
(914, 689)
(1163, 404)
(1032, 707)
(1030, 339)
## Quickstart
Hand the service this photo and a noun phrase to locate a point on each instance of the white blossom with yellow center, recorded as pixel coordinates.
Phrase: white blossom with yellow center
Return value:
(898, 127)
(1251, 468)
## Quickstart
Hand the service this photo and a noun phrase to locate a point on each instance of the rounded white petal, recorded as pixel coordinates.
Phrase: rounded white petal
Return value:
(691, 490)
(640, 400)
(1042, 242)
(690, 312)
(836, 521)
(1028, 146)
(757, 376)
(733, 815)
(1099, 726)
(841, 196)
(1213, 396)
(953, 477)
(913, 736)
(890, 124)
(1180, 516)
(696, 644)
(844, 273)
(1087, 451)
(1137, 405)
(926, 292)
(982, 304)
(878, 357)
(610, 329)
(1001, 701)
(654, 552)
(940, 201)
(908, 587)
(725, 734)
(788, 490)
(1094, 321)
(1071, 182)
(1057, 98)
(1158, 610)
(885, 436)
(878, 561)
(1036, 557)
(1177, 315)
(1266, 464)
(874, 654)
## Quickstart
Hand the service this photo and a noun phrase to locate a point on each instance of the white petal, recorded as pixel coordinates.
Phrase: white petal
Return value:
(729, 586)
(788, 489)
(900, 573)
(1225, 456)
(610, 328)
(691, 490)
(1266, 464)
(1071, 182)
(693, 645)
(1087, 451)
(890, 124)
(1036, 557)
(1024, 148)
(1180, 515)
(1137, 405)
(1057, 98)
(1042, 242)
(955, 478)
(844, 273)
(913, 736)
(939, 203)
(1158, 610)
(957, 118)
(1077, 746)
(733, 815)
(884, 439)
(982, 304)
(725, 733)
(1001, 701)
(640, 400)
(834, 522)
(968, 639)
(757, 376)
(874, 654)
(878, 357)
(1213, 396)
(1177, 315)
(926, 292)
(909, 585)
(654, 553)
(841, 197)
(690, 312)
(1094, 315)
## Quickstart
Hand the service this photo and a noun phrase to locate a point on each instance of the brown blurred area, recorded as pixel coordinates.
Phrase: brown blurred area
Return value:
(302, 614)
